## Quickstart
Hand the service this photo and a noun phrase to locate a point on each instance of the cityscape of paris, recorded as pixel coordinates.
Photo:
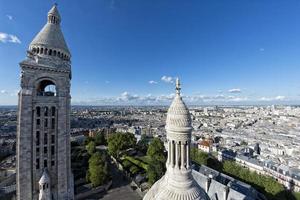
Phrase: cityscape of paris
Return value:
(152, 100)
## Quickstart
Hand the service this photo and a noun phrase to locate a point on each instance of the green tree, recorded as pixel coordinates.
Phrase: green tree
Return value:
(142, 145)
(98, 169)
(156, 167)
(88, 140)
(118, 142)
(100, 139)
(91, 147)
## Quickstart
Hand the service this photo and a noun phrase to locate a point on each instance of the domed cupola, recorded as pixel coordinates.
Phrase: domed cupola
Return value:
(178, 117)
(178, 182)
(50, 42)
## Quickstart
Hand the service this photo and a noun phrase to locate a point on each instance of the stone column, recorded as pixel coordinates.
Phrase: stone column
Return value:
(169, 152)
(182, 156)
(176, 154)
(188, 155)
(172, 153)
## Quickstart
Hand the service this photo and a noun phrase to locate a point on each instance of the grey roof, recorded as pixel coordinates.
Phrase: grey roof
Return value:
(51, 35)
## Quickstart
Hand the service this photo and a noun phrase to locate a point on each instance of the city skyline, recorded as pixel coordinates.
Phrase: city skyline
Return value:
(130, 52)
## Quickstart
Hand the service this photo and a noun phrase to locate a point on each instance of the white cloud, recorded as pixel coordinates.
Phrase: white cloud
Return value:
(261, 49)
(5, 37)
(107, 82)
(277, 98)
(280, 97)
(235, 90)
(3, 92)
(9, 17)
(167, 79)
(152, 82)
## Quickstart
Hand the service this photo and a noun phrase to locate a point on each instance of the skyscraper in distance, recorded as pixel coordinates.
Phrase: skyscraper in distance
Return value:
(43, 135)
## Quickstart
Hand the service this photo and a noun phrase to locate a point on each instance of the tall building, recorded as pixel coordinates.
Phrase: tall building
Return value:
(178, 182)
(43, 136)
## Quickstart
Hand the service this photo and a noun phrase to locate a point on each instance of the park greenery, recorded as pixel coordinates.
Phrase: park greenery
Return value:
(264, 184)
(119, 142)
(149, 159)
(91, 147)
(156, 167)
(98, 169)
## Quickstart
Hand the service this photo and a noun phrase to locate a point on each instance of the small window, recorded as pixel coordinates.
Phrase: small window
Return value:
(52, 162)
(52, 139)
(50, 52)
(46, 138)
(38, 122)
(37, 150)
(37, 164)
(38, 111)
(37, 138)
(45, 150)
(52, 150)
(45, 163)
(53, 111)
(46, 123)
(45, 111)
(53, 123)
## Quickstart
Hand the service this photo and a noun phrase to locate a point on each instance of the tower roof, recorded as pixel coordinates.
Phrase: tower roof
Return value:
(178, 116)
(51, 36)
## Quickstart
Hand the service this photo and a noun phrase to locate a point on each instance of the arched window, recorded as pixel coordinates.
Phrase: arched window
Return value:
(58, 54)
(46, 51)
(46, 88)
(38, 50)
(42, 50)
(54, 53)
(50, 52)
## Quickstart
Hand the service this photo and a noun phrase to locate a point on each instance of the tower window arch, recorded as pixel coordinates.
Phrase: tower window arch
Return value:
(50, 52)
(38, 50)
(46, 88)
(42, 50)
(54, 53)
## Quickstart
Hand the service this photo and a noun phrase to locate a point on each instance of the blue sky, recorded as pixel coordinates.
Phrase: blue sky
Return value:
(129, 51)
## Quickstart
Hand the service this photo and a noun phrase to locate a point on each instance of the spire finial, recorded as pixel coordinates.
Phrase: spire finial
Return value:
(178, 88)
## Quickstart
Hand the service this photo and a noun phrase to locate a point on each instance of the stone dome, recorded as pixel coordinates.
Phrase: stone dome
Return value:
(50, 40)
(178, 117)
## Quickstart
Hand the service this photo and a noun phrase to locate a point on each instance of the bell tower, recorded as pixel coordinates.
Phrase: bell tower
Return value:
(43, 134)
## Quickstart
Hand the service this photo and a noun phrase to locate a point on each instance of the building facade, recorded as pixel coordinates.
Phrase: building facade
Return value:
(43, 135)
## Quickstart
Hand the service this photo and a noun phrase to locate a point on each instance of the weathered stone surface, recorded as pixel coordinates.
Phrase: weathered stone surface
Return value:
(43, 135)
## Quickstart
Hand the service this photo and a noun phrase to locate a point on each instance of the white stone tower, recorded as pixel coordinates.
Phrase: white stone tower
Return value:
(178, 182)
(44, 184)
(43, 135)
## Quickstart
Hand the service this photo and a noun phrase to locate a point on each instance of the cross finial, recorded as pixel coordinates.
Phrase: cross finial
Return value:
(178, 88)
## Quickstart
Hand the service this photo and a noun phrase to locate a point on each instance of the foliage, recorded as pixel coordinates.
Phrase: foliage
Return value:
(91, 147)
(100, 139)
(296, 195)
(156, 167)
(88, 140)
(137, 162)
(98, 169)
(118, 142)
(142, 145)
(134, 169)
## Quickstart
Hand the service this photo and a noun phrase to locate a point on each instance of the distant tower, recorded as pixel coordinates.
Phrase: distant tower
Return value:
(178, 182)
(43, 135)
(44, 184)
